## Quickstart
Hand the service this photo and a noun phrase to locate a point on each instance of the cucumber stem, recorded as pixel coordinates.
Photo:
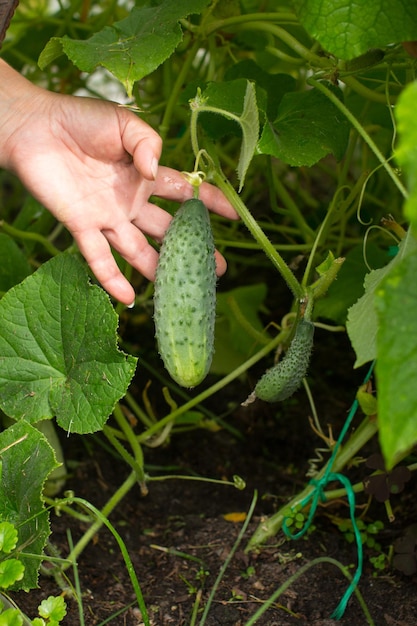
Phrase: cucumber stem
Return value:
(173, 99)
(105, 512)
(135, 445)
(258, 234)
(218, 178)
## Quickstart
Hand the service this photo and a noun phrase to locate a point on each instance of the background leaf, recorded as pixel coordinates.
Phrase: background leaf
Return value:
(11, 617)
(348, 28)
(348, 286)
(274, 85)
(307, 128)
(8, 537)
(11, 571)
(131, 48)
(406, 152)
(239, 330)
(396, 368)
(26, 461)
(249, 121)
(14, 266)
(228, 98)
(58, 349)
(235, 102)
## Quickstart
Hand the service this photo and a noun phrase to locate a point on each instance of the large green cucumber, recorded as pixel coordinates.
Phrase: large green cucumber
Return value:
(282, 380)
(185, 295)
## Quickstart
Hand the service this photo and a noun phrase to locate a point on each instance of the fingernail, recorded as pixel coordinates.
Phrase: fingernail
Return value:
(131, 305)
(154, 167)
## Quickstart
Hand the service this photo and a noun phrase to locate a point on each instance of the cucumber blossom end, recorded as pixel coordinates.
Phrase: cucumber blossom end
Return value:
(283, 379)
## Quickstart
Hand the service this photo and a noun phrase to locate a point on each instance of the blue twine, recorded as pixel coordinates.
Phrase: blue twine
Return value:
(318, 495)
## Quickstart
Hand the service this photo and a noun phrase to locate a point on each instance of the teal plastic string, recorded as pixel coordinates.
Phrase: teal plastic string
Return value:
(318, 495)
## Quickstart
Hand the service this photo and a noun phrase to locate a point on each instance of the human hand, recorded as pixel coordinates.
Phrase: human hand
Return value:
(94, 165)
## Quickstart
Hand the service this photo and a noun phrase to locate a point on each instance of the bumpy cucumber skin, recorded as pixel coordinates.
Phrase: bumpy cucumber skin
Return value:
(185, 295)
(282, 380)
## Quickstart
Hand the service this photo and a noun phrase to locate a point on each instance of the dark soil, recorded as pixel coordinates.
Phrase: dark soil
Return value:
(178, 537)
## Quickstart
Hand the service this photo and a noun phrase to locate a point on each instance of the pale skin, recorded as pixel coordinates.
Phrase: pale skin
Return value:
(94, 165)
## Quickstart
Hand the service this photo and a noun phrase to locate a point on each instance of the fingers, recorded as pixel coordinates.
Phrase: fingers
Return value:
(135, 249)
(142, 142)
(214, 199)
(171, 185)
(145, 146)
(152, 220)
(96, 251)
(221, 264)
(130, 242)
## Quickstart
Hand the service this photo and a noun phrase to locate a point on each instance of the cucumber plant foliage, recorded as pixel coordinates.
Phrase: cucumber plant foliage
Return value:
(282, 100)
(58, 349)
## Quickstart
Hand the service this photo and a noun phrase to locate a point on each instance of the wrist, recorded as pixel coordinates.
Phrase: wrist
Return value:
(17, 96)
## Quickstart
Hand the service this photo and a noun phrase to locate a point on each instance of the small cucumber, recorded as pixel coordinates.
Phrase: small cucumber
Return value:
(282, 380)
(185, 295)
(368, 59)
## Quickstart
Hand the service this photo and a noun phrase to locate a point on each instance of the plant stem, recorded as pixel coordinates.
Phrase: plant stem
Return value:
(293, 43)
(138, 411)
(207, 393)
(250, 18)
(293, 209)
(29, 236)
(173, 99)
(102, 519)
(324, 227)
(265, 22)
(270, 526)
(365, 92)
(105, 512)
(258, 234)
(127, 458)
(298, 574)
(135, 445)
(214, 481)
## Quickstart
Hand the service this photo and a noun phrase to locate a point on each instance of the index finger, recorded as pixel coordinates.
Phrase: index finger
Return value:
(172, 185)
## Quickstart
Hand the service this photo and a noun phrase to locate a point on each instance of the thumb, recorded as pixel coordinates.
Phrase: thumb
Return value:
(142, 143)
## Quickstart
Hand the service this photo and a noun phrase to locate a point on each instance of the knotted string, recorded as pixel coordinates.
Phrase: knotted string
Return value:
(318, 495)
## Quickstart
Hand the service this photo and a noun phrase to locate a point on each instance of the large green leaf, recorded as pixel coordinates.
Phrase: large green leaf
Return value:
(26, 461)
(348, 28)
(362, 322)
(58, 349)
(307, 128)
(396, 305)
(131, 48)
(406, 153)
